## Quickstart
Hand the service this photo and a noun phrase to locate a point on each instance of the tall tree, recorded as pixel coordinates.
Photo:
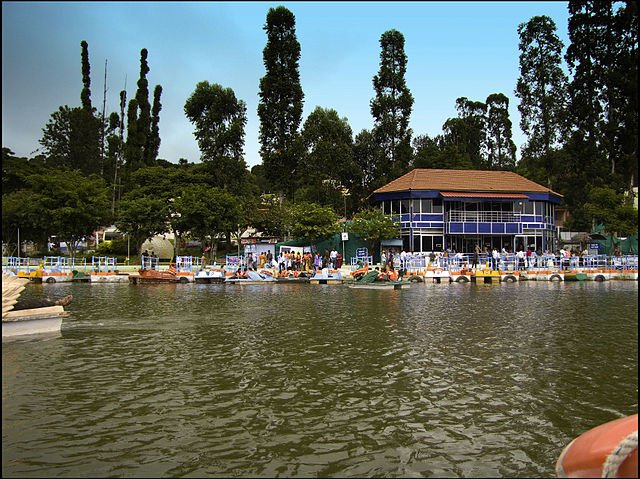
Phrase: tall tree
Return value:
(281, 100)
(153, 141)
(542, 89)
(143, 122)
(143, 139)
(501, 150)
(603, 59)
(85, 95)
(219, 119)
(392, 105)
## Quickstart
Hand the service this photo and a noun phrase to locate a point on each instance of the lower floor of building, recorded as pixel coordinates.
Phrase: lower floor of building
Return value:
(421, 242)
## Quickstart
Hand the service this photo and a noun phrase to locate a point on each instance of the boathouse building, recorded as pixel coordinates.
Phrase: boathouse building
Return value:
(457, 209)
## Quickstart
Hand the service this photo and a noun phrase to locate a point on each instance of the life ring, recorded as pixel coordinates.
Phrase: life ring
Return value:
(599, 277)
(183, 280)
(510, 278)
(462, 279)
(608, 450)
(555, 277)
(416, 279)
(51, 280)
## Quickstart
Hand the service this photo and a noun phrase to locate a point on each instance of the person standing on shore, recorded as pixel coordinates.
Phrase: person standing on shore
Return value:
(476, 255)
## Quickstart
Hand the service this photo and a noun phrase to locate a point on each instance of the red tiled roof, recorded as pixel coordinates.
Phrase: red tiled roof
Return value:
(464, 181)
(458, 194)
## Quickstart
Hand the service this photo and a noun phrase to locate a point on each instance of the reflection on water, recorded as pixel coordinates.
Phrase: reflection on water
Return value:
(302, 380)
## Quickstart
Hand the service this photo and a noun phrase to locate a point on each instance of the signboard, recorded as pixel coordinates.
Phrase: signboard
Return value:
(594, 245)
(362, 252)
(345, 236)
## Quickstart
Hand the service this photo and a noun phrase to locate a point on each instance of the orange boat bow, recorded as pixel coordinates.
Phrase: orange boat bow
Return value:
(587, 454)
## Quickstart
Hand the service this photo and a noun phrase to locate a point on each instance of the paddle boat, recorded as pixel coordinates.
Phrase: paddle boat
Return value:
(148, 273)
(104, 270)
(375, 279)
(250, 277)
(210, 275)
(327, 276)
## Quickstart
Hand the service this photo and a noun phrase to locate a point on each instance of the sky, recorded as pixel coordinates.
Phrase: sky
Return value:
(454, 49)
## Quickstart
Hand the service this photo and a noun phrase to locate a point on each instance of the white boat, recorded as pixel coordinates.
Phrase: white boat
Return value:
(47, 319)
(22, 322)
(207, 276)
(252, 277)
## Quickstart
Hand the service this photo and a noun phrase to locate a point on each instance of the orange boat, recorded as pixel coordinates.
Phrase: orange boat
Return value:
(609, 450)
(155, 276)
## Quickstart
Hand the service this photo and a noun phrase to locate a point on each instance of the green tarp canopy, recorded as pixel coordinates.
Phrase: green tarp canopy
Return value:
(354, 242)
(608, 243)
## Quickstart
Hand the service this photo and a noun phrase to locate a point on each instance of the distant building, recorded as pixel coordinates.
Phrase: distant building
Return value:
(457, 209)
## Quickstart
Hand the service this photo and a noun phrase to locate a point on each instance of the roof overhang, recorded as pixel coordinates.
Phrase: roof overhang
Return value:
(464, 195)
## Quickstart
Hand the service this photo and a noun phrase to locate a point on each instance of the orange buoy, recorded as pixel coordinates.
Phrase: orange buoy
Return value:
(608, 450)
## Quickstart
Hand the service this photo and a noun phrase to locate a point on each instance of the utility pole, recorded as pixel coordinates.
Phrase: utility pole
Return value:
(104, 106)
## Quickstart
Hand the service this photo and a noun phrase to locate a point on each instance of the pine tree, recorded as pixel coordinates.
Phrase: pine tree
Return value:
(500, 148)
(542, 89)
(391, 107)
(281, 100)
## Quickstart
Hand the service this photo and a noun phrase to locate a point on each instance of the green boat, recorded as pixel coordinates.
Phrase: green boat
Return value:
(575, 276)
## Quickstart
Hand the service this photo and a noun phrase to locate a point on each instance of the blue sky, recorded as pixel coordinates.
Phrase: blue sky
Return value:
(454, 49)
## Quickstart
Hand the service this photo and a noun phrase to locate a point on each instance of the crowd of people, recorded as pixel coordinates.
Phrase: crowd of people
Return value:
(294, 260)
(496, 259)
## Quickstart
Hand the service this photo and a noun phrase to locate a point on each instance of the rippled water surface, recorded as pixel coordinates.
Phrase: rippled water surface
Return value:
(304, 381)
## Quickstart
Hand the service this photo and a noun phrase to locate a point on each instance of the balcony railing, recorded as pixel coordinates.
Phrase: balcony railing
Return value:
(483, 217)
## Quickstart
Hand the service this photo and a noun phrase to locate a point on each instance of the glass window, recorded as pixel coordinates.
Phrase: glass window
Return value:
(417, 246)
(426, 206)
(404, 206)
(437, 205)
(528, 207)
(395, 207)
(415, 204)
(427, 243)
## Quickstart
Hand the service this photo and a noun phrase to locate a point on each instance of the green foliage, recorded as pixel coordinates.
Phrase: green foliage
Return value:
(313, 222)
(373, 226)
(501, 150)
(605, 206)
(369, 157)
(328, 141)
(59, 202)
(71, 139)
(219, 119)
(542, 89)
(391, 107)
(142, 217)
(281, 100)
(603, 58)
(206, 213)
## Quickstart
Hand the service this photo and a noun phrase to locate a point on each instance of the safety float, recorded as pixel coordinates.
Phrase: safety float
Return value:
(608, 450)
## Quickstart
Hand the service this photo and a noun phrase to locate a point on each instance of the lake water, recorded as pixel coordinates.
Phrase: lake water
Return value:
(458, 380)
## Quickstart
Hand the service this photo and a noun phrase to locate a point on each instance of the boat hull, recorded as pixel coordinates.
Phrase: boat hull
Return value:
(33, 321)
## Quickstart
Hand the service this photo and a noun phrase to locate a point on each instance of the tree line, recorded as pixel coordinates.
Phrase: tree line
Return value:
(579, 118)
